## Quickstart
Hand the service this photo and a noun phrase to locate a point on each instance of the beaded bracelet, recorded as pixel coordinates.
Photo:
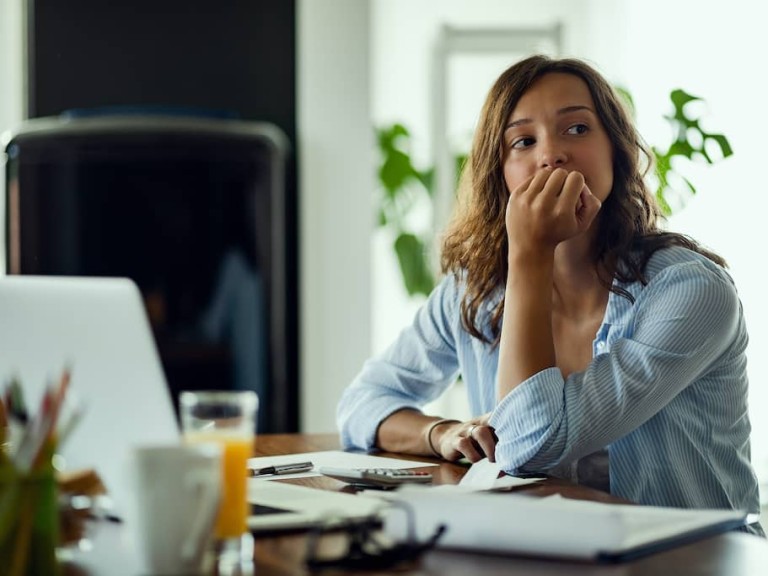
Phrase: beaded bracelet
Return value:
(434, 425)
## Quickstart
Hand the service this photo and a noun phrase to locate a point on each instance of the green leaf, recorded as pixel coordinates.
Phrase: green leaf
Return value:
(627, 97)
(411, 255)
(722, 141)
(460, 160)
(427, 179)
(681, 148)
(691, 187)
(388, 137)
(679, 99)
(395, 171)
(663, 204)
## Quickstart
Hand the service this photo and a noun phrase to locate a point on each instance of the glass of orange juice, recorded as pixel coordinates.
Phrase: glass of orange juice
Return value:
(228, 418)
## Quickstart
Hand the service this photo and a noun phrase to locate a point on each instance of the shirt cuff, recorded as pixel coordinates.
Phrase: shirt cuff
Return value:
(359, 425)
(525, 418)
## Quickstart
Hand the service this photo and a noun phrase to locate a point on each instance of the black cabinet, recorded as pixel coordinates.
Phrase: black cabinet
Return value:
(161, 148)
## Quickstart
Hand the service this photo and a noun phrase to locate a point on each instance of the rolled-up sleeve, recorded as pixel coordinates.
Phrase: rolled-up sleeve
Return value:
(684, 321)
(414, 370)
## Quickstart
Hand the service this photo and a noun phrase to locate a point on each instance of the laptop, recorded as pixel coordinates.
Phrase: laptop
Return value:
(98, 328)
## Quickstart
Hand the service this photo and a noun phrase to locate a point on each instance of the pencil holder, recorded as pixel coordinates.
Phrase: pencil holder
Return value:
(29, 522)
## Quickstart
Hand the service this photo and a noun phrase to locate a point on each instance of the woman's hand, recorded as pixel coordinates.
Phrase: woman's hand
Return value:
(549, 207)
(473, 440)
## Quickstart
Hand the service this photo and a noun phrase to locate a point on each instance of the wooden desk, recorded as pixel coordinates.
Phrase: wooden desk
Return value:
(732, 554)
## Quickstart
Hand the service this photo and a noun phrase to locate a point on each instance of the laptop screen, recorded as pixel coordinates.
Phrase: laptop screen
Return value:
(98, 328)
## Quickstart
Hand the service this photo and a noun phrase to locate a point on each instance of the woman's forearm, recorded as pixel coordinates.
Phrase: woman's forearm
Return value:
(405, 431)
(526, 346)
(411, 432)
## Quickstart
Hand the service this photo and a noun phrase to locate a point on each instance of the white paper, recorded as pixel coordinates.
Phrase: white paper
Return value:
(332, 458)
(304, 506)
(484, 475)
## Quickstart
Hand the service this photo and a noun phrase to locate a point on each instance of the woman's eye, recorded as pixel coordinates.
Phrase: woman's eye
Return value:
(523, 142)
(578, 129)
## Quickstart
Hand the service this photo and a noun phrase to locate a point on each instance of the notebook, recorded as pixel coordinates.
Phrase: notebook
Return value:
(99, 328)
(556, 527)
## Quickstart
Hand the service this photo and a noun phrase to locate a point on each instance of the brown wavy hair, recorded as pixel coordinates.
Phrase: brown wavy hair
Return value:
(475, 244)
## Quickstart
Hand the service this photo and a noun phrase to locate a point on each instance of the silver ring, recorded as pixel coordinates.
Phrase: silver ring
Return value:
(472, 430)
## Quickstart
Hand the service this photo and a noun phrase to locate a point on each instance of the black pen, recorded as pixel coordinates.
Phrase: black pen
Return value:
(279, 469)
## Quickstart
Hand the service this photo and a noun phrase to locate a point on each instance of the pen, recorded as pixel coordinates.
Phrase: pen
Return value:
(279, 469)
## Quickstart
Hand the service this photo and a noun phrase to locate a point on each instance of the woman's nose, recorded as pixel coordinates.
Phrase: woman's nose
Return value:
(551, 155)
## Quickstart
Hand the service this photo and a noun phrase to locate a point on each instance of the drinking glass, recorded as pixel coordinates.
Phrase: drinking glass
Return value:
(229, 419)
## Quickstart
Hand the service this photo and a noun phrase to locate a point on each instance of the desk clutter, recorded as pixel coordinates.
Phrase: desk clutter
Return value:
(479, 514)
(383, 527)
(37, 514)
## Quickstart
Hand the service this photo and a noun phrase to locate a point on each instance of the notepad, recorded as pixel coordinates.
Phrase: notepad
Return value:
(336, 459)
(507, 523)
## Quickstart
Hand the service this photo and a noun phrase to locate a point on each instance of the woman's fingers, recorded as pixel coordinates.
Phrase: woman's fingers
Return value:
(549, 207)
(473, 440)
(469, 449)
(478, 442)
(589, 207)
(485, 438)
(544, 185)
(572, 186)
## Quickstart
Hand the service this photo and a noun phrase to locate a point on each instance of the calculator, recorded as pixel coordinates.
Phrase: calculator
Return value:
(376, 477)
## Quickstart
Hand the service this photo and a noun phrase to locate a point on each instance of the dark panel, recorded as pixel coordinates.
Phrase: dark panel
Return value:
(236, 56)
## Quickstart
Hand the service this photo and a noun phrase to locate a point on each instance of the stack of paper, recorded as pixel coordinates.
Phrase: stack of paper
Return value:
(282, 506)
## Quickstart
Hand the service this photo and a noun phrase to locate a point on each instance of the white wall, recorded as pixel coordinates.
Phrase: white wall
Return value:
(11, 77)
(11, 89)
(335, 206)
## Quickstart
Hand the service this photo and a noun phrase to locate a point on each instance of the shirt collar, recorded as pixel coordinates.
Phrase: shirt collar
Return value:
(619, 306)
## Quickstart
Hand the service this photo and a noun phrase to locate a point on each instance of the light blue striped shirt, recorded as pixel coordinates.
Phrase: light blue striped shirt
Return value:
(665, 393)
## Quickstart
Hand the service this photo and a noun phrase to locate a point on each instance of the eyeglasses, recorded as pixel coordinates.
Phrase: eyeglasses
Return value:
(365, 548)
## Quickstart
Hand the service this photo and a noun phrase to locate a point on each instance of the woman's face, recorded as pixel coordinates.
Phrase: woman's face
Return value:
(555, 125)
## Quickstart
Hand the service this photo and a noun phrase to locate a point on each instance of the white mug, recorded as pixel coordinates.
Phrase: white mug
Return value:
(177, 492)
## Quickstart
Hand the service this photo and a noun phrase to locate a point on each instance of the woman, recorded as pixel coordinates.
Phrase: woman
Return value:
(593, 345)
